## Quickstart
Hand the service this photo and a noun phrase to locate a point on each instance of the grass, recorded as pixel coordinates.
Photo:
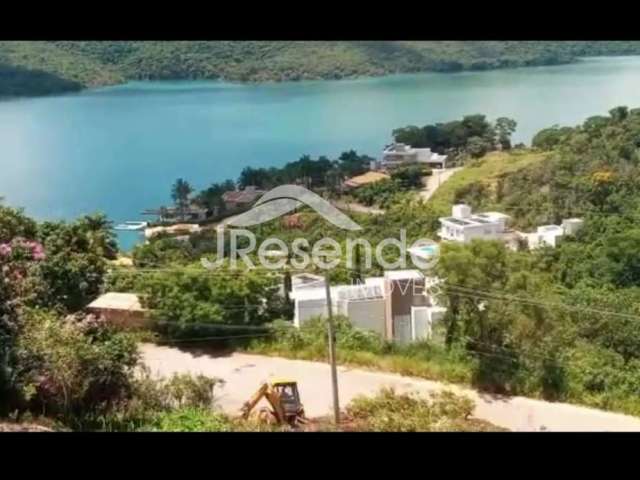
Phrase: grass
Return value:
(437, 366)
(485, 170)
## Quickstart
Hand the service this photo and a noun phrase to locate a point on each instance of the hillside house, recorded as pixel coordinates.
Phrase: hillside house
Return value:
(463, 226)
(240, 199)
(551, 235)
(399, 155)
(397, 306)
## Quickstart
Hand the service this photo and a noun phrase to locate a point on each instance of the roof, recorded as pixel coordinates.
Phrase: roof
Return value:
(311, 293)
(306, 280)
(366, 178)
(483, 218)
(117, 301)
(360, 292)
(398, 148)
(493, 215)
(373, 288)
(403, 275)
(550, 229)
(247, 195)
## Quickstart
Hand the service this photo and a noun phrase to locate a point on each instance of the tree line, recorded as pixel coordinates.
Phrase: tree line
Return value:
(473, 135)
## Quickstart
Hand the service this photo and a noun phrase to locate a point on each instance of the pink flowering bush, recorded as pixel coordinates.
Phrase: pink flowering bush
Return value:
(22, 249)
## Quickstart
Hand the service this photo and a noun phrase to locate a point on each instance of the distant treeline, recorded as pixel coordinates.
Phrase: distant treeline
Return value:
(312, 173)
(91, 63)
(473, 135)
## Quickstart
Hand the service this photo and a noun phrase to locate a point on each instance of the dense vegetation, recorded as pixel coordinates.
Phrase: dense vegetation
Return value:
(60, 365)
(319, 173)
(561, 323)
(472, 136)
(66, 366)
(384, 193)
(70, 65)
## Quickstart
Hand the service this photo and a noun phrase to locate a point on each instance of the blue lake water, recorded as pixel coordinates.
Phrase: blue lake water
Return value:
(119, 149)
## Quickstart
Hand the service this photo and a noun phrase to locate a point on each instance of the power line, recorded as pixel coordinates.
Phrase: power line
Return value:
(460, 290)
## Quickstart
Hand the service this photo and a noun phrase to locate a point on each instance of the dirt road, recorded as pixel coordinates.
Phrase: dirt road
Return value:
(243, 374)
(437, 178)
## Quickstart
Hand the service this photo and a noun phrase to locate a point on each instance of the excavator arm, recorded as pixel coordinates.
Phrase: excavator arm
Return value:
(267, 392)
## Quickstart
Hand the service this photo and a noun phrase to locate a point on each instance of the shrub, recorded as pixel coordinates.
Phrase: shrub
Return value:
(410, 177)
(313, 333)
(68, 369)
(392, 412)
(159, 404)
(189, 419)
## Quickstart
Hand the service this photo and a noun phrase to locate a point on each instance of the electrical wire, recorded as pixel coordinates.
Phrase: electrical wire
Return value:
(489, 295)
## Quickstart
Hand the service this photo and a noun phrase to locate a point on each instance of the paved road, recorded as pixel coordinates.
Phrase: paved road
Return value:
(243, 374)
(437, 178)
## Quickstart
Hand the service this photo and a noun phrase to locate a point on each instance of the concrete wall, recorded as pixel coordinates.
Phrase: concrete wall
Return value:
(306, 309)
(367, 315)
(123, 319)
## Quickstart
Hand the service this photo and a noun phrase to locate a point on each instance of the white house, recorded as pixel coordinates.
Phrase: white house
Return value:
(551, 235)
(463, 227)
(397, 306)
(363, 304)
(400, 154)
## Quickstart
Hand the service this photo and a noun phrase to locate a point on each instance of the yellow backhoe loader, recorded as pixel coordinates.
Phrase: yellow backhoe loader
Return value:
(284, 398)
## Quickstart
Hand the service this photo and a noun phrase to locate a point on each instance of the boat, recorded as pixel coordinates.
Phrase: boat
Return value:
(131, 226)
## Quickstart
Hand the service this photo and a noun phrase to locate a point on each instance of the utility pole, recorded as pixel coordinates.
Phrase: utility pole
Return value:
(332, 352)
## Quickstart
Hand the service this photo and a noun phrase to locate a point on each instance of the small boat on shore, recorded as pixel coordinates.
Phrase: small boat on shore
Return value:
(131, 226)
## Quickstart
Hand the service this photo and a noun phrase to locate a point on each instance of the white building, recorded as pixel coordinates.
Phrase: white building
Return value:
(400, 154)
(397, 306)
(363, 304)
(551, 235)
(463, 227)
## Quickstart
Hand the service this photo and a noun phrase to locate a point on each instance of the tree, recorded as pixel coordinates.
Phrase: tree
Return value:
(618, 260)
(481, 265)
(410, 135)
(548, 138)
(14, 223)
(180, 192)
(409, 177)
(258, 177)
(504, 128)
(352, 164)
(211, 197)
(619, 114)
(193, 302)
(477, 147)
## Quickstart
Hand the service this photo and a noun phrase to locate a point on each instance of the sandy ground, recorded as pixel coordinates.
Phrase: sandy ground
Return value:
(437, 178)
(243, 374)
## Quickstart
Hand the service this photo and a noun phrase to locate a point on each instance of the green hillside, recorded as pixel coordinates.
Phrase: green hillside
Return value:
(32, 68)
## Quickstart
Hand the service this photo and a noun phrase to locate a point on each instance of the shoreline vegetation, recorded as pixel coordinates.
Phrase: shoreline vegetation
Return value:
(35, 68)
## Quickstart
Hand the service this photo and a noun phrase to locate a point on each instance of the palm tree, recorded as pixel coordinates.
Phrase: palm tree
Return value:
(180, 193)
(99, 231)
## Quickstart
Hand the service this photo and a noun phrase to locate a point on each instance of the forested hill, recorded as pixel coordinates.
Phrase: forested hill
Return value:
(34, 68)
